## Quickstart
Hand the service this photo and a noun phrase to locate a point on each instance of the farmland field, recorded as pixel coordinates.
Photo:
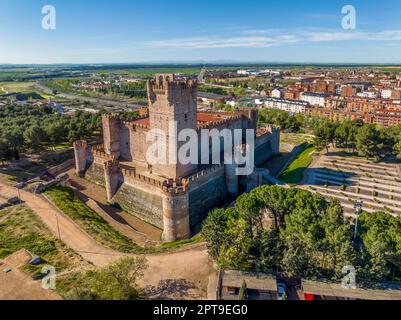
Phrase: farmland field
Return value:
(22, 87)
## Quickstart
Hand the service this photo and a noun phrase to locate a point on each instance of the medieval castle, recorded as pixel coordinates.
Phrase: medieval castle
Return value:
(172, 197)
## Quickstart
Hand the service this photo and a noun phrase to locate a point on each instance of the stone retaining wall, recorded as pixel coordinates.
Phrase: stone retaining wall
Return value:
(206, 194)
(146, 205)
(95, 174)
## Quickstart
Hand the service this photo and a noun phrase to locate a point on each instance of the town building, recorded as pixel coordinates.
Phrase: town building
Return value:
(291, 106)
(314, 99)
(386, 93)
(319, 290)
(259, 286)
(277, 93)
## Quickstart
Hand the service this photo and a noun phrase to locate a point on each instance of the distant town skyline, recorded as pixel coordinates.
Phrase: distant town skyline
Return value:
(189, 31)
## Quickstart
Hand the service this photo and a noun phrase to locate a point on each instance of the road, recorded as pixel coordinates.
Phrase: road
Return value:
(95, 101)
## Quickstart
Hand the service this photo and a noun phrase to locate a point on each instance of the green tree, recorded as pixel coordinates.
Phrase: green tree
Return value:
(343, 134)
(34, 136)
(56, 131)
(15, 140)
(213, 231)
(242, 295)
(116, 282)
(397, 146)
(325, 133)
(369, 141)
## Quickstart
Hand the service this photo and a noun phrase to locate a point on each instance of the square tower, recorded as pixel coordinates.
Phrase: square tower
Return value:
(172, 105)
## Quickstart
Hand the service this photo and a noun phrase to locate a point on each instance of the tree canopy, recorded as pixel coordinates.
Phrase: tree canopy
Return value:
(24, 129)
(299, 234)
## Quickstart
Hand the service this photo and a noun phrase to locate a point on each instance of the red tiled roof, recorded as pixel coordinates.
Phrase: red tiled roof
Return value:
(144, 121)
(209, 117)
(203, 117)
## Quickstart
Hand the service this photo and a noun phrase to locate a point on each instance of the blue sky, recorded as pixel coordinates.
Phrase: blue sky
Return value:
(122, 31)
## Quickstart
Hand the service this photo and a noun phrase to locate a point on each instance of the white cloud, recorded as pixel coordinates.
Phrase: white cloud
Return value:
(262, 38)
(231, 42)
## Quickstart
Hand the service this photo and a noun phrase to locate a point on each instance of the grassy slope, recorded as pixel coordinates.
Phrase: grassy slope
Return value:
(294, 172)
(99, 229)
(96, 226)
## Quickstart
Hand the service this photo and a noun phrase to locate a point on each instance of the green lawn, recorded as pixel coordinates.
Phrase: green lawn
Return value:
(294, 172)
(22, 87)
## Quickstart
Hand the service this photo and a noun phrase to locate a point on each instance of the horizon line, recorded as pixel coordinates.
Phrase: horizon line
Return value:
(200, 62)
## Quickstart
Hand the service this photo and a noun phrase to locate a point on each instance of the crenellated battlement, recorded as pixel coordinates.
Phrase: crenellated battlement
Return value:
(164, 82)
(213, 124)
(167, 85)
(139, 126)
(112, 166)
(204, 173)
(131, 173)
(175, 187)
(99, 147)
(272, 128)
(81, 144)
(100, 155)
(132, 121)
(111, 116)
(171, 186)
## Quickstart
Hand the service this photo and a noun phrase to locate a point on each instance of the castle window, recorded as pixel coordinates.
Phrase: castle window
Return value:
(186, 116)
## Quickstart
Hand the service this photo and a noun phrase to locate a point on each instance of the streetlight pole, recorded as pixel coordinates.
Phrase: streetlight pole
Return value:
(358, 209)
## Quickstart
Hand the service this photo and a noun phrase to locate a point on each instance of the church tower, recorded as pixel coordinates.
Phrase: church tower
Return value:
(172, 108)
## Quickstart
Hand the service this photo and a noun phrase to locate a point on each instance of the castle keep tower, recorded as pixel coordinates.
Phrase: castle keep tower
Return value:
(172, 108)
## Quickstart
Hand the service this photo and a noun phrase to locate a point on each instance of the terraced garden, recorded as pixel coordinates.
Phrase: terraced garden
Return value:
(349, 179)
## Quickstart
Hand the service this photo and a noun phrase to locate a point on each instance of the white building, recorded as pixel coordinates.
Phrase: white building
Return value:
(314, 99)
(277, 93)
(367, 94)
(291, 106)
(243, 72)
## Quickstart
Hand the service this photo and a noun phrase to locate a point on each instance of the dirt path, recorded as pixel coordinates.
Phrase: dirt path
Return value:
(73, 236)
(17, 285)
(176, 275)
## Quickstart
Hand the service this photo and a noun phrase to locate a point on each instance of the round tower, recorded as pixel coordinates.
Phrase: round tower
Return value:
(80, 150)
(176, 214)
(231, 178)
(111, 177)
